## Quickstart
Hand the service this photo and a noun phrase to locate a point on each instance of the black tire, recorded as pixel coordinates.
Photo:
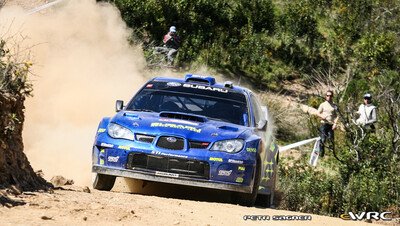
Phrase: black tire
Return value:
(249, 199)
(103, 182)
(263, 200)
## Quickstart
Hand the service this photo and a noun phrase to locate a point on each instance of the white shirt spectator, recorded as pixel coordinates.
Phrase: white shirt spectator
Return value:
(367, 114)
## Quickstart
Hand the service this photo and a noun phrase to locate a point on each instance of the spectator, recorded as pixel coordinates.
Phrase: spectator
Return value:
(367, 113)
(172, 42)
(327, 111)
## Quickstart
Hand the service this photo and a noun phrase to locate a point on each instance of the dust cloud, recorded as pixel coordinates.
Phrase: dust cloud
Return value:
(82, 64)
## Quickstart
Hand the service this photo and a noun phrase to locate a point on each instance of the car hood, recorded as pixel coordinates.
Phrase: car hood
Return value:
(157, 124)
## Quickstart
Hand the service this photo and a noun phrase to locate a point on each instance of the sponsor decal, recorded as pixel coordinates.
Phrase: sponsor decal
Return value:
(266, 178)
(113, 158)
(101, 161)
(251, 149)
(124, 147)
(165, 174)
(216, 89)
(198, 76)
(131, 116)
(214, 159)
(269, 170)
(175, 126)
(168, 154)
(239, 180)
(101, 130)
(226, 173)
(173, 84)
(214, 134)
(268, 163)
(178, 121)
(135, 124)
(106, 145)
(235, 161)
(272, 147)
(241, 168)
(102, 151)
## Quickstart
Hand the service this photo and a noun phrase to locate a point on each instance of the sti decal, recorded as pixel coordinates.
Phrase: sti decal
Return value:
(225, 173)
(113, 158)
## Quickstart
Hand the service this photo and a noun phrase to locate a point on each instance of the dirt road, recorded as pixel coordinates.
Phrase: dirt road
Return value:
(161, 204)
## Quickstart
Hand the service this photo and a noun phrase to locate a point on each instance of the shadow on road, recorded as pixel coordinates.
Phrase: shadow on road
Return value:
(176, 191)
(171, 191)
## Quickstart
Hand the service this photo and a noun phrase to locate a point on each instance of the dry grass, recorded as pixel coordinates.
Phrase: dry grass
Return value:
(289, 120)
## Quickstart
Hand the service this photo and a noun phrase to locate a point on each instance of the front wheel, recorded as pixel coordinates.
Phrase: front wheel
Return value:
(249, 199)
(103, 182)
(264, 200)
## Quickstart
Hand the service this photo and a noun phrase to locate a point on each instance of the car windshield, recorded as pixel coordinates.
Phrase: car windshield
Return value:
(211, 104)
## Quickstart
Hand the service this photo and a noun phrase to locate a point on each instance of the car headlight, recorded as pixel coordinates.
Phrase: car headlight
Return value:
(230, 146)
(117, 131)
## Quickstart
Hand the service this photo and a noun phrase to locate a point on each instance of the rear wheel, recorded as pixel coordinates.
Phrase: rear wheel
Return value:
(103, 182)
(249, 199)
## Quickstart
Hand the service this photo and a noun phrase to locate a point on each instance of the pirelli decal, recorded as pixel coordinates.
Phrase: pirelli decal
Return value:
(124, 147)
(215, 159)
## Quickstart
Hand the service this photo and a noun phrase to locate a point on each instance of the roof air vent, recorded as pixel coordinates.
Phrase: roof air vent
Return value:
(200, 79)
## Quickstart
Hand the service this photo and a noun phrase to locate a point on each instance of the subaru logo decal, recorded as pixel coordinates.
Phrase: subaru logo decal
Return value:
(171, 139)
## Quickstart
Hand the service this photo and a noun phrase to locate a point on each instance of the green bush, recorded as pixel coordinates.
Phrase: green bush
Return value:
(307, 189)
(13, 73)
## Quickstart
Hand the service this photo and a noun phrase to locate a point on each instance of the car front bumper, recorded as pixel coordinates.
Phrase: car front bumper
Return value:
(169, 178)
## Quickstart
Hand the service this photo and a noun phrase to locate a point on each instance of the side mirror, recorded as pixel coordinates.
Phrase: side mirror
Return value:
(119, 105)
(262, 125)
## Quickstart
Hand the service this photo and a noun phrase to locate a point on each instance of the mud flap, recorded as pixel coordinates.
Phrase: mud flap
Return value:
(315, 153)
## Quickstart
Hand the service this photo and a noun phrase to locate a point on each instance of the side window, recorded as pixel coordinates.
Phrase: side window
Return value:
(258, 113)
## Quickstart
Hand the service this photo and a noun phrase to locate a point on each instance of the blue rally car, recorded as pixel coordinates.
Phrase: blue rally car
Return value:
(193, 132)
